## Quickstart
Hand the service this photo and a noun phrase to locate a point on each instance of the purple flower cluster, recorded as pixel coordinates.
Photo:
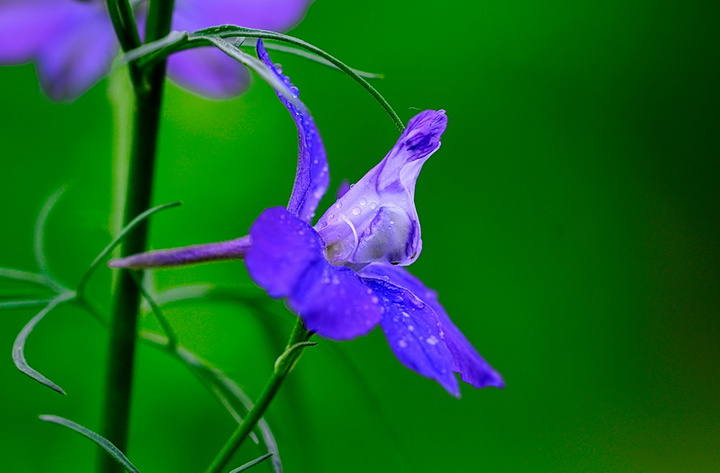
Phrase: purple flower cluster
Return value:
(73, 44)
(344, 276)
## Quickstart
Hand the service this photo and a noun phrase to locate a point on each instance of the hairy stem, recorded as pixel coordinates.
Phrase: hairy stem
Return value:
(284, 364)
(137, 192)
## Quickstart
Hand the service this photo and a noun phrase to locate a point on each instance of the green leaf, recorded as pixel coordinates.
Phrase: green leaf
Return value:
(39, 232)
(207, 36)
(227, 31)
(99, 440)
(173, 38)
(38, 279)
(18, 353)
(118, 239)
(24, 303)
(164, 323)
(313, 57)
(252, 463)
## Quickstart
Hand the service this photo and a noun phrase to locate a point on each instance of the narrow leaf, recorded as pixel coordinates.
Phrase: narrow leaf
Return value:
(173, 38)
(313, 57)
(19, 345)
(24, 303)
(227, 31)
(164, 323)
(118, 239)
(252, 463)
(98, 439)
(39, 232)
(39, 279)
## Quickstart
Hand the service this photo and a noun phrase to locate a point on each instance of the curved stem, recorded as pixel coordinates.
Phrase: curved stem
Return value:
(283, 365)
(137, 191)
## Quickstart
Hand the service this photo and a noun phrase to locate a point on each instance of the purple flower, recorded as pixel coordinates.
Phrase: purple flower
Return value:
(343, 276)
(73, 44)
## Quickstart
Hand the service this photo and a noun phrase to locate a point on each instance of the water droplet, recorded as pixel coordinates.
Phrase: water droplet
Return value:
(373, 205)
(279, 68)
(411, 328)
(375, 300)
(338, 205)
(363, 202)
(402, 344)
(356, 211)
(432, 340)
(295, 91)
(405, 314)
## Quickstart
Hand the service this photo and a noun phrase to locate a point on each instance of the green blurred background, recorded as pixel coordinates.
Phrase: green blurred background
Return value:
(570, 225)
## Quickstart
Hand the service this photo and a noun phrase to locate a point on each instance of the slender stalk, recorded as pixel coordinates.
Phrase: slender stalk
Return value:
(148, 88)
(282, 367)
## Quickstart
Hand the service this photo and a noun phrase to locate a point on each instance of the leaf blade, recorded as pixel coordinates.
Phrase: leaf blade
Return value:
(117, 240)
(18, 353)
(251, 463)
(97, 438)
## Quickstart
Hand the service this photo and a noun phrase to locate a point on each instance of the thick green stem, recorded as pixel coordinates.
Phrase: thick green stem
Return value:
(148, 89)
(282, 367)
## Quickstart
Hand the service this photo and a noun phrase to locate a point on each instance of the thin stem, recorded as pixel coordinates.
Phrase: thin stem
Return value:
(296, 344)
(137, 192)
(126, 30)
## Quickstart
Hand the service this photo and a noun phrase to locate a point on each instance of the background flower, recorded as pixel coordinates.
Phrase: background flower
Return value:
(73, 42)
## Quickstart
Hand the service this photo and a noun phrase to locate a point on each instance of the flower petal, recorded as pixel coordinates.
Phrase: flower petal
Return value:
(414, 334)
(73, 43)
(472, 367)
(283, 249)
(276, 15)
(352, 227)
(25, 25)
(79, 56)
(287, 260)
(312, 177)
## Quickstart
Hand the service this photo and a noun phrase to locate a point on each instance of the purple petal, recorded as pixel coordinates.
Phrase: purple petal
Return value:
(349, 228)
(334, 302)
(283, 249)
(311, 178)
(414, 334)
(25, 25)
(79, 56)
(286, 259)
(233, 249)
(472, 367)
(276, 15)
(73, 43)
(208, 72)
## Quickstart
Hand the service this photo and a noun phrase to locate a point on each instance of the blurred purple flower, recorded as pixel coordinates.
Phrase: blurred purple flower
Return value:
(343, 276)
(73, 44)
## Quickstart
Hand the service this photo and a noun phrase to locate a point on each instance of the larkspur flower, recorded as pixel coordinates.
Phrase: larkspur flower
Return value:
(73, 44)
(344, 276)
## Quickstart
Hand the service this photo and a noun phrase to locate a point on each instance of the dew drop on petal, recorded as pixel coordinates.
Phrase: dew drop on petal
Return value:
(411, 328)
(402, 343)
(356, 211)
(432, 340)
(362, 202)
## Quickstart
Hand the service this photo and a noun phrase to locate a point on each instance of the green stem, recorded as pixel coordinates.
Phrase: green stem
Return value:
(284, 364)
(137, 192)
